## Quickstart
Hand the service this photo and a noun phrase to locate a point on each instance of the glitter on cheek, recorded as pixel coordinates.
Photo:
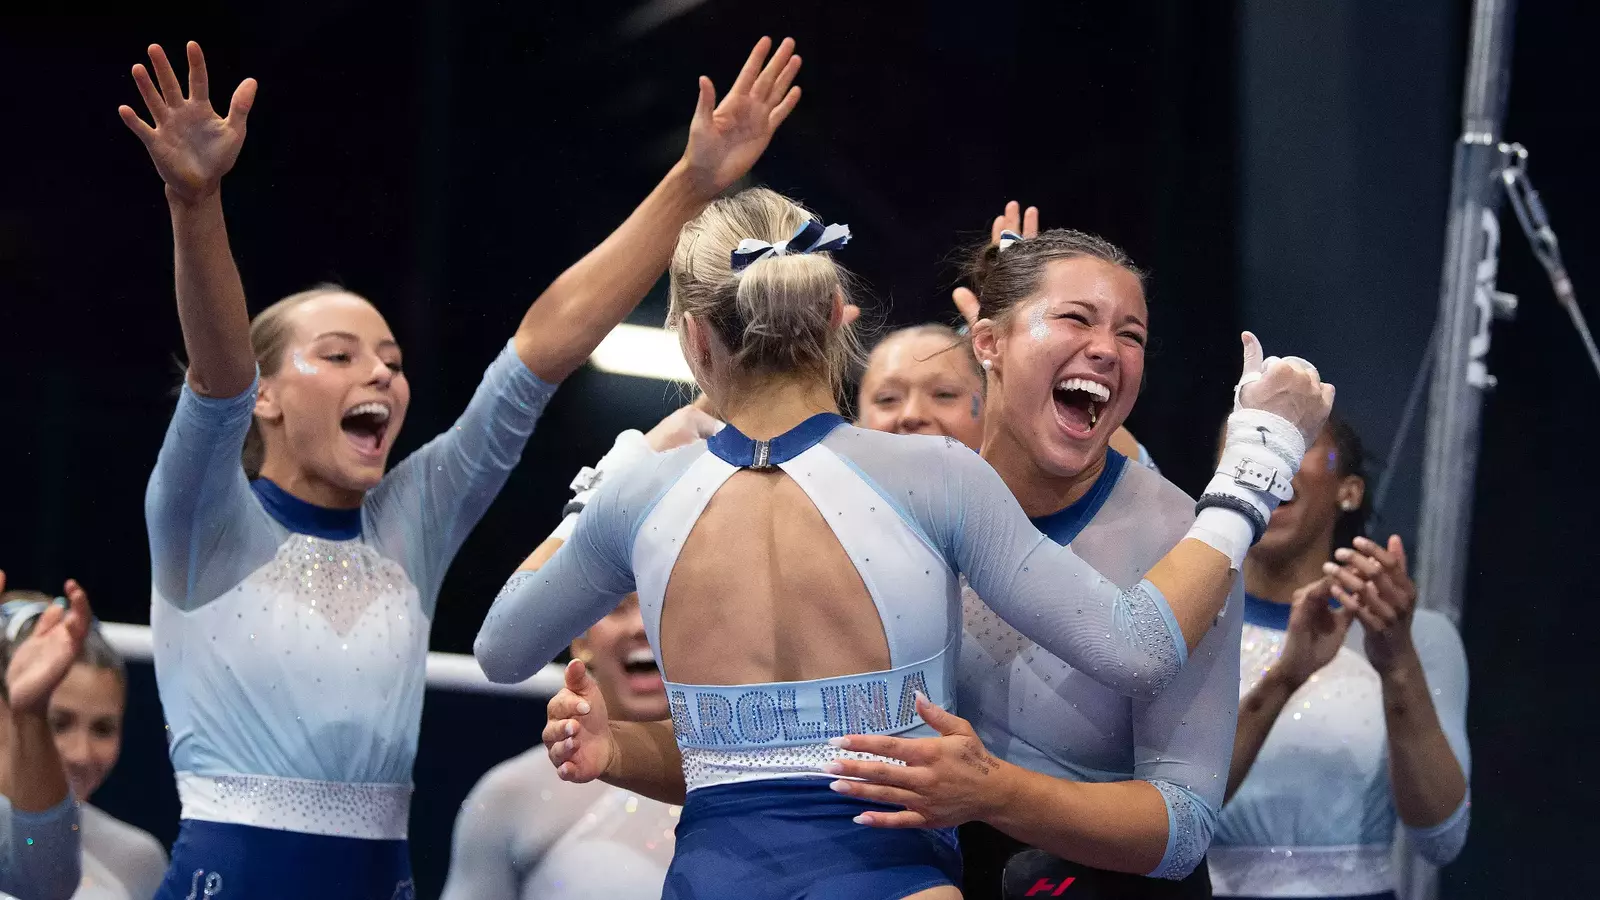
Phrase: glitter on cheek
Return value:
(300, 364)
(1037, 329)
(977, 404)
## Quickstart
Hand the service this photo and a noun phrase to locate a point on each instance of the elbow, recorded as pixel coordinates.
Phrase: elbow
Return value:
(497, 664)
(1151, 650)
(1441, 844)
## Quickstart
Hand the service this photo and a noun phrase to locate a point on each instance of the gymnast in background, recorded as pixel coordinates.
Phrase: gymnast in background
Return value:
(1352, 722)
(523, 832)
(40, 846)
(120, 861)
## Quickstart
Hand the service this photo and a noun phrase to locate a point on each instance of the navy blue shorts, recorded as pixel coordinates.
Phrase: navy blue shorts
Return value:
(242, 862)
(788, 838)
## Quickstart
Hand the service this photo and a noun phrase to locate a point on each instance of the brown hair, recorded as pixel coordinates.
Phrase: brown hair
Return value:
(775, 316)
(1003, 280)
(96, 652)
(959, 343)
(270, 332)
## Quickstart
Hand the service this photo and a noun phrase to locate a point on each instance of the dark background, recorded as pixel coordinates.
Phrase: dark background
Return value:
(1279, 165)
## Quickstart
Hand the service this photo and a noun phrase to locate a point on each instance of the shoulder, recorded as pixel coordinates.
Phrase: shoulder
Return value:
(1153, 487)
(928, 454)
(139, 856)
(524, 786)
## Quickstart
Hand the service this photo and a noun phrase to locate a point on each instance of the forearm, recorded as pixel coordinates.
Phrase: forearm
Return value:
(647, 761)
(1120, 826)
(1195, 579)
(588, 300)
(1424, 774)
(37, 782)
(211, 303)
(1257, 712)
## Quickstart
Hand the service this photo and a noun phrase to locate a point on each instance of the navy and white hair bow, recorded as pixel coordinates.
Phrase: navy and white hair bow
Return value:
(1007, 238)
(811, 237)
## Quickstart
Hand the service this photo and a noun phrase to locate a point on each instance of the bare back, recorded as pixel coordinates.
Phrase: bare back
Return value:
(763, 575)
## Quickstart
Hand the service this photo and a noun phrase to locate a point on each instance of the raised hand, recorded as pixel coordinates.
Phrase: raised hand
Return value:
(578, 733)
(1289, 388)
(1374, 580)
(39, 664)
(1315, 632)
(190, 144)
(1013, 220)
(726, 138)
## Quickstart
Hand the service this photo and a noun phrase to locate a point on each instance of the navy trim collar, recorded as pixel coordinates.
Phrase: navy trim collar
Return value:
(1266, 613)
(1064, 525)
(307, 518)
(732, 447)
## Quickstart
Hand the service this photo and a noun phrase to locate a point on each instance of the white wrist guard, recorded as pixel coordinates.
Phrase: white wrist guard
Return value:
(1261, 454)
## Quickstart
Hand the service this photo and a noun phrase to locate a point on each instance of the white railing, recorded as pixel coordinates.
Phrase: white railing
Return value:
(446, 671)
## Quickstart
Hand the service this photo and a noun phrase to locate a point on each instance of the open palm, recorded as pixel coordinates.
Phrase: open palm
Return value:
(726, 139)
(41, 661)
(190, 144)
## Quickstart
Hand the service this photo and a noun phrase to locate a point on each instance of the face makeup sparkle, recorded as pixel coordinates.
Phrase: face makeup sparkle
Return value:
(300, 364)
(977, 405)
(1037, 329)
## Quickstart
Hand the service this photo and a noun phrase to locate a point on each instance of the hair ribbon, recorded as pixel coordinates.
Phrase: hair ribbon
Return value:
(810, 237)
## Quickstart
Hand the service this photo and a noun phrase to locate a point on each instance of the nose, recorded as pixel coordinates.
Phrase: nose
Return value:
(1101, 351)
(73, 748)
(381, 373)
(913, 416)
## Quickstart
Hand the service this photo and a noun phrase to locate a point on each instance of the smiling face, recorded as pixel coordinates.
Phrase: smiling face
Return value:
(331, 409)
(1067, 363)
(618, 655)
(922, 382)
(86, 720)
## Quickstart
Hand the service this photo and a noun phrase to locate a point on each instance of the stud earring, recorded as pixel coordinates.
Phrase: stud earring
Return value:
(988, 364)
(1347, 506)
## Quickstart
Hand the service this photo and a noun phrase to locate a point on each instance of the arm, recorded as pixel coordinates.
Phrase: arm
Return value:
(1314, 637)
(1131, 641)
(192, 148)
(569, 319)
(39, 835)
(1423, 671)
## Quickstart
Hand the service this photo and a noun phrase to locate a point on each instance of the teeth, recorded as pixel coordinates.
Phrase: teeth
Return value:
(381, 410)
(640, 657)
(1093, 388)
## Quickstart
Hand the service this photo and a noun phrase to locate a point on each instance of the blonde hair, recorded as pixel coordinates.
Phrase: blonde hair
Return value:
(776, 317)
(270, 332)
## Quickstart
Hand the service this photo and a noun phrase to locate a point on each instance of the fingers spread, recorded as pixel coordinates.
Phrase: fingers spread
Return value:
(1030, 222)
(199, 82)
(152, 97)
(782, 110)
(766, 82)
(165, 76)
(752, 67)
(244, 97)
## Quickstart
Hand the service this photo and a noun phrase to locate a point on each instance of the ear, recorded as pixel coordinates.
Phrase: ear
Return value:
(1352, 490)
(836, 312)
(987, 343)
(696, 345)
(267, 408)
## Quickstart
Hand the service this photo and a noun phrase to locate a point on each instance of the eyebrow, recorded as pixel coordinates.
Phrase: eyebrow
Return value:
(1130, 317)
(387, 342)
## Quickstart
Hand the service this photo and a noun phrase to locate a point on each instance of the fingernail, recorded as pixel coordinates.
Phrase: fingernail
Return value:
(1342, 553)
(832, 767)
(61, 602)
(862, 820)
(568, 744)
(923, 697)
(838, 787)
(583, 707)
(1329, 568)
(841, 743)
(572, 728)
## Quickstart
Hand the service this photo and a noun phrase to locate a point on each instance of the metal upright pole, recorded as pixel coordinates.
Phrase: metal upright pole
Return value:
(1467, 306)
(1467, 302)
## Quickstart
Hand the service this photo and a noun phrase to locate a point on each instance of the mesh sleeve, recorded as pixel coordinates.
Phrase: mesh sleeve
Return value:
(424, 510)
(1183, 740)
(1127, 640)
(40, 853)
(1444, 662)
(539, 612)
(203, 537)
